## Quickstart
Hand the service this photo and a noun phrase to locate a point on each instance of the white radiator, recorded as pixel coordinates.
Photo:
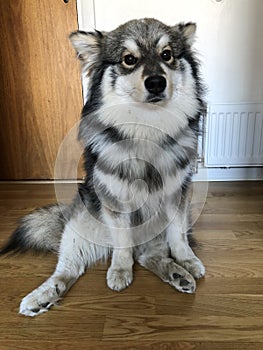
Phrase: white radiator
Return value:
(234, 135)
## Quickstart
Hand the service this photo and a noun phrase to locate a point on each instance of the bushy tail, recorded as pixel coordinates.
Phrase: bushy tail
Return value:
(41, 230)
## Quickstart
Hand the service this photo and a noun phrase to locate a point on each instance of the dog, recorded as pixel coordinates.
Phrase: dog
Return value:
(139, 130)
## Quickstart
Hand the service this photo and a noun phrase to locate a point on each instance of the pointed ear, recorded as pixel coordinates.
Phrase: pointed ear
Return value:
(88, 48)
(188, 31)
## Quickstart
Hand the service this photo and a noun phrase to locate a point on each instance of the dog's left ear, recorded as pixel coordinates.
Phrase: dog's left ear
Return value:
(188, 32)
(88, 48)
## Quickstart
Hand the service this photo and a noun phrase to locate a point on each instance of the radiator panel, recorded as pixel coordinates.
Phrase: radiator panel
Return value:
(234, 135)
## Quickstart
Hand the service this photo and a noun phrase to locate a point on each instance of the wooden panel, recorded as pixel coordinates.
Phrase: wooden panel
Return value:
(40, 86)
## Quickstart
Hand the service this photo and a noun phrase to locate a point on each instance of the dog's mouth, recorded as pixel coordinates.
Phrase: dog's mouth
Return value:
(155, 99)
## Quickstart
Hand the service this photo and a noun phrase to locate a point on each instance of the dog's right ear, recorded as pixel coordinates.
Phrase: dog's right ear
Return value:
(88, 48)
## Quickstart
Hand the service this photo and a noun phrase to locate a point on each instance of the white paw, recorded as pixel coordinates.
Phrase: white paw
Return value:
(42, 298)
(195, 267)
(119, 279)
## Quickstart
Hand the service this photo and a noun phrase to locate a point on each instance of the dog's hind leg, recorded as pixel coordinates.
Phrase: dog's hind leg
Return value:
(169, 272)
(154, 256)
(75, 254)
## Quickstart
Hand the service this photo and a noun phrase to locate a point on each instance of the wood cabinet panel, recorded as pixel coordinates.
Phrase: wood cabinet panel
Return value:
(40, 98)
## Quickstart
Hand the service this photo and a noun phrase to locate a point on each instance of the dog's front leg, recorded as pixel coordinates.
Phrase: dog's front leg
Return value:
(179, 218)
(120, 274)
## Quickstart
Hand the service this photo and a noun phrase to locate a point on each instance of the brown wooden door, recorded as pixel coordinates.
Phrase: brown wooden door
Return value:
(40, 87)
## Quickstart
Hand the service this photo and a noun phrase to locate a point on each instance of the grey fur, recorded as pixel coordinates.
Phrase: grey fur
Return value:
(140, 140)
(40, 230)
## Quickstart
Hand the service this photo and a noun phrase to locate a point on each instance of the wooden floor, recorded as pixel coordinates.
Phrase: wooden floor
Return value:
(225, 313)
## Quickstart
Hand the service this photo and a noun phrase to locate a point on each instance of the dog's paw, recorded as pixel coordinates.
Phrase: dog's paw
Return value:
(181, 280)
(119, 279)
(195, 267)
(41, 299)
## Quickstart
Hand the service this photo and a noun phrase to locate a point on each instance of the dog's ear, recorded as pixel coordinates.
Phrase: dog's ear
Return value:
(187, 30)
(88, 48)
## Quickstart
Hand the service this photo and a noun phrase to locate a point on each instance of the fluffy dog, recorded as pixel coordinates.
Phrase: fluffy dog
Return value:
(139, 130)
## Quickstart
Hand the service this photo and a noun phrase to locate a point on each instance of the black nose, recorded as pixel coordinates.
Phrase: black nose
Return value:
(155, 84)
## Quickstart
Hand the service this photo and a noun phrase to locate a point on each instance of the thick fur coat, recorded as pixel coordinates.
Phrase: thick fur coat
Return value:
(139, 130)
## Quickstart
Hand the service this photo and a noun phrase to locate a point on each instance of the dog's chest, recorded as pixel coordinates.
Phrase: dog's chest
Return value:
(138, 169)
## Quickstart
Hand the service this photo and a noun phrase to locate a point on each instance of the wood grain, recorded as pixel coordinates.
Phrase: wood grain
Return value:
(40, 99)
(142, 345)
(226, 312)
(179, 328)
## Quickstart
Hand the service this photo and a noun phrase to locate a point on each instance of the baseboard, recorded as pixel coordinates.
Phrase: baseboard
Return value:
(229, 174)
(40, 182)
(203, 174)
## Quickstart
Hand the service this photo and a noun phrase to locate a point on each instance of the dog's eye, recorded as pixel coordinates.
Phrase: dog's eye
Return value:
(166, 55)
(130, 60)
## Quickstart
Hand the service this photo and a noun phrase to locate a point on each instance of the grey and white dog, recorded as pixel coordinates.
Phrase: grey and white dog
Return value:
(139, 128)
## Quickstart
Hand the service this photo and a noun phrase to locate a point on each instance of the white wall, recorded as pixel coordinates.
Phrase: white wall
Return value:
(229, 42)
(229, 38)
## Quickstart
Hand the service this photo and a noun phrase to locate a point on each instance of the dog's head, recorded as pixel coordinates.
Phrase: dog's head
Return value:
(140, 61)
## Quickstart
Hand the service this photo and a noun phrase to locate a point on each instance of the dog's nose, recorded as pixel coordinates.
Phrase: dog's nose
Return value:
(155, 84)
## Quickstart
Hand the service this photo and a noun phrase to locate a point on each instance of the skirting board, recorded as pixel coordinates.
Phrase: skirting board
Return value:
(229, 174)
(204, 174)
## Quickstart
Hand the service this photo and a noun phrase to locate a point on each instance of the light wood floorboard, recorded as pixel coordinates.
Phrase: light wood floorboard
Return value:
(225, 313)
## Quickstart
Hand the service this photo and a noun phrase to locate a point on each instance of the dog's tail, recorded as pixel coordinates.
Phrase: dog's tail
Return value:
(41, 230)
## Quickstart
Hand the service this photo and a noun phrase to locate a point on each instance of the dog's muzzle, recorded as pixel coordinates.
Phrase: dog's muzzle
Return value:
(155, 85)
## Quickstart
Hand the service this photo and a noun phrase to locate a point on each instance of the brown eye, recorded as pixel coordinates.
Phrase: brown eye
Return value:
(166, 55)
(130, 60)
